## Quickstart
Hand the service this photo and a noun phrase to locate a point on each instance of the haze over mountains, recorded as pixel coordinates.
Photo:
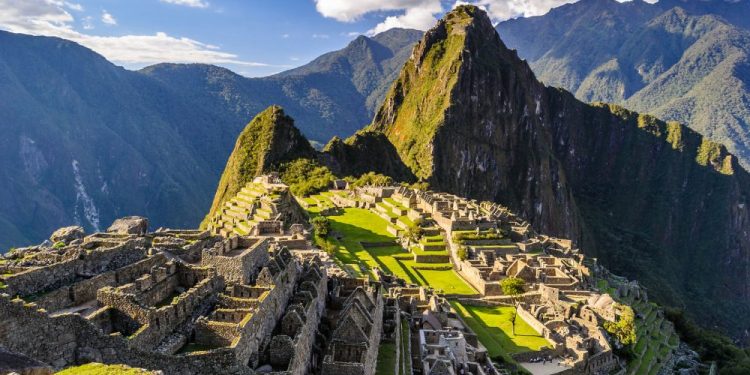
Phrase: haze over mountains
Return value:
(89, 141)
(687, 61)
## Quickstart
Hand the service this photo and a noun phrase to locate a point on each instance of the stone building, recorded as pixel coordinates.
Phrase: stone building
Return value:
(356, 315)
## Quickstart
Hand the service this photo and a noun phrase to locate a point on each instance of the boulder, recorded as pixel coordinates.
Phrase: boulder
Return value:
(129, 225)
(68, 234)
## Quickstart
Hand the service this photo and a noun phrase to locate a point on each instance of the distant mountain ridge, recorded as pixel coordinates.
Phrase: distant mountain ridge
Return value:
(335, 94)
(88, 141)
(687, 61)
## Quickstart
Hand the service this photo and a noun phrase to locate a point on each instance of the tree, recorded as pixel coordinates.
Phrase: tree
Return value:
(513, 287)
(624, 328)
(415, 231)
(321, 226)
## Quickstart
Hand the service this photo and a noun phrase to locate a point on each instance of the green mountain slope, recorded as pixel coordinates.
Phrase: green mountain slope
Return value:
(687, 61)
(267, 141)
(652, 200)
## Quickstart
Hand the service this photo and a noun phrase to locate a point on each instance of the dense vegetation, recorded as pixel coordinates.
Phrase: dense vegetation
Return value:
(711, 346)
(306, 177)
(370, 179)
(431, 78)
(102, 369)
(624, 328)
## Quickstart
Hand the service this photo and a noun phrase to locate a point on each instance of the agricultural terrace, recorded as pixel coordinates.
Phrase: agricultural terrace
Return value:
(353, 232)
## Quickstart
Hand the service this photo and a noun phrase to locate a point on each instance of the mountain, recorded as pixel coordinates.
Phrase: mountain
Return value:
(687, 61)
(652, 200)
(335, 94)
(87, 141)
(269, 140)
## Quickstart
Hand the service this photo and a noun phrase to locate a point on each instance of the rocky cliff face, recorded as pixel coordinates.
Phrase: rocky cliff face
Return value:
(269, 140)
(468, 116)
(654, 200)
(364, 152)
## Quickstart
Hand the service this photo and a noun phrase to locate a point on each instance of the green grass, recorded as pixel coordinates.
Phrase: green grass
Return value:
(358, 225)
(386, 359)
(101, 369)
(494, 329)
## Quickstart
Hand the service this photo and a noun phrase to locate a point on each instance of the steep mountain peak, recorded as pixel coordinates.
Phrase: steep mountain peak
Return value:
(445, 69)
(269, 140)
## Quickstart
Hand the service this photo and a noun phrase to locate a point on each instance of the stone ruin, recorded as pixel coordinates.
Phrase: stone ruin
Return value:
(262, 207)
(445, 344)
(252, 295)
(188, 301)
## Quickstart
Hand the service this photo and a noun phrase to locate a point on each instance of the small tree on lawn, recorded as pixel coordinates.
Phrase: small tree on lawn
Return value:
(513, 287)
(321, 226)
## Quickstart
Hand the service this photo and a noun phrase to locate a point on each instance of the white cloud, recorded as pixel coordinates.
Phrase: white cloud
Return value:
(51, 18)
(320, 36)
(417, 14)
(74, 6)
(87, 23)
(422, 14)
(189, 3)
(108, 18)
(285, 36)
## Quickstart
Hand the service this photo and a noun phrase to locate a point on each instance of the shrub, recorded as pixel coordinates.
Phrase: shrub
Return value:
(462, 253)
(460, 237)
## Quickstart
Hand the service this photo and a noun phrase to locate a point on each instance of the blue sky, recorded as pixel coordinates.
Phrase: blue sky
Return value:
(251, 37)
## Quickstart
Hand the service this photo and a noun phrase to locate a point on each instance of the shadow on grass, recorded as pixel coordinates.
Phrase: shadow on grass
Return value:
(498, 340)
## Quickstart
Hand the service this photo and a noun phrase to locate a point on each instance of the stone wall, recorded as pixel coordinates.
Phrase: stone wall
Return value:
(43, 279)
(85, 291)
(237, 259)
(293, 347)
(70, 339)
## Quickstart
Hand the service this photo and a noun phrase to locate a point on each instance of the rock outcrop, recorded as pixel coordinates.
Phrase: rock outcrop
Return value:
(67, 234)
(129, 225)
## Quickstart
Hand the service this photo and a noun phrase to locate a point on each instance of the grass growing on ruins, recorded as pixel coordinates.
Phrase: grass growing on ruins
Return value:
(102, 369)
(386, 359)
(494, 329)
(357, 225)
